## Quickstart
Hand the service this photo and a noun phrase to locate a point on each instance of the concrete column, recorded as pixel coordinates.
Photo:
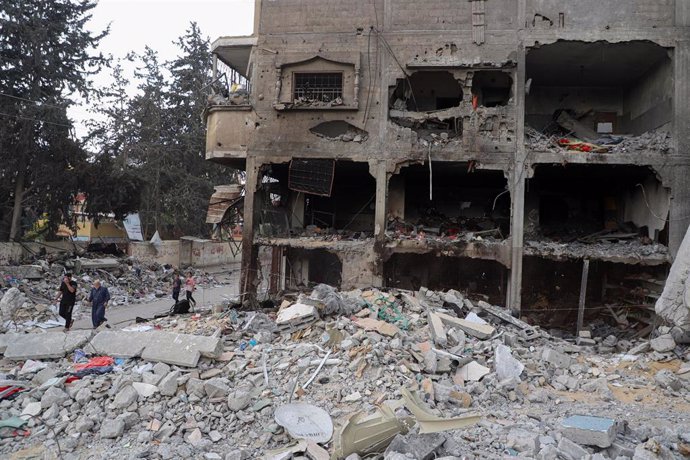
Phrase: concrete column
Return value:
(250, 253)
(517, 190)
(378, 170)
(680, 191)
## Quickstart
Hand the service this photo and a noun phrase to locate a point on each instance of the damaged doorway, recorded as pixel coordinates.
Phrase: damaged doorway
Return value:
(618, 295)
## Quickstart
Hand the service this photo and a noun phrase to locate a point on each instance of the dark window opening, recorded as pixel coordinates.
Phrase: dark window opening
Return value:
(426, 91)
(307, 268)
(470, 276)
(492, 88)
(617, 294)
(462, 202)
(322, 87)
(599, 93)
(292, 207)
(596, 203)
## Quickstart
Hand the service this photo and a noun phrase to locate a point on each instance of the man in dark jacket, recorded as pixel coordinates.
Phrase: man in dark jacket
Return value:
(99, 298)
(67, 295)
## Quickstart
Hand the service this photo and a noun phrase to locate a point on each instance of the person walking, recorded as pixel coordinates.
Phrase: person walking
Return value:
(99, 298)
(176, 287)
(190, 287)
(67, 295)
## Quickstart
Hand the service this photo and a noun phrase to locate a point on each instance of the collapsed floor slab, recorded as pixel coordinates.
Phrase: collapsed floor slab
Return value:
(51, 345)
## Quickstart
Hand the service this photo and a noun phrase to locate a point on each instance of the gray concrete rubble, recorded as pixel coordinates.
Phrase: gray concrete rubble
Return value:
(44, 346)
(27, 292)
(674, 303)
(378, 383)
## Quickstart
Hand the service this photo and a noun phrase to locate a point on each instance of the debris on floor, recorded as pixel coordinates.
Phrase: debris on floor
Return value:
(376, 374)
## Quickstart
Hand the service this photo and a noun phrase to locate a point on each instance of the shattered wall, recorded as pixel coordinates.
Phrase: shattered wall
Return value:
(622, 63)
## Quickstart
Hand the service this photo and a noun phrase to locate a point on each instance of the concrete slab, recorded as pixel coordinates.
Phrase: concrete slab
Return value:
(50, 345)
(30, 272)
(589, 430)
(93, 264)
(119, 344)
(480, 331)
(5, 339)
(180, 349)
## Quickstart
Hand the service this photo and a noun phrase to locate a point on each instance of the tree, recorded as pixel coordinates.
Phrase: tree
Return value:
(160, 132)
(45, 55)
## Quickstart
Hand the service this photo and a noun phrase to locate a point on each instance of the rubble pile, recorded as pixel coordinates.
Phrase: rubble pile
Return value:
(27, 292)
(441, 229)
(361, 374)
(556, 138)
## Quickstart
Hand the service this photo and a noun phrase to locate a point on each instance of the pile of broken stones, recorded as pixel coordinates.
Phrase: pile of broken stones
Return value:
(359, 374)
(27, 292)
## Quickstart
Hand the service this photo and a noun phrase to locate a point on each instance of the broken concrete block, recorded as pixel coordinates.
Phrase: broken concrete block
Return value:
(436, 329)
(5, 339)
(50, 345)
(118, 344)
(216, 387)
(589, 430)
(12, 301)
(53, 395)
(480, 331)
(168, 386)
(111, 429)
(144, 389)
(472, 372)
(523, 441)
(29, 272)
(556, 358)
(296, 316)
(674, 305)
(571, 451)
(666, 379)
(507, 367)
(180, 349)
(419, 446)
(382, 327)
(125, 397)
(662, 344)
(95, 264)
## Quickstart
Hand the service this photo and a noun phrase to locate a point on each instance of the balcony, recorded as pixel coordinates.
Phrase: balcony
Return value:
(229, 118)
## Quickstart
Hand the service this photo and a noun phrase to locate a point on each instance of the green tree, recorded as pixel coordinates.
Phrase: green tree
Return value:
(46, 55)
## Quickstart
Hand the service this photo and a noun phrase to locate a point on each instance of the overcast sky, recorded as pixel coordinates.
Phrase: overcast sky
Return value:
(157, 23)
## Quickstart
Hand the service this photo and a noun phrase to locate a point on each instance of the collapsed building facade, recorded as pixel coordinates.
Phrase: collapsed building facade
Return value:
(524, 149)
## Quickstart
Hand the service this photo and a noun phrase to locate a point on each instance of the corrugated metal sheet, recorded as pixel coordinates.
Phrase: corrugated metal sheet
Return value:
(223, 198)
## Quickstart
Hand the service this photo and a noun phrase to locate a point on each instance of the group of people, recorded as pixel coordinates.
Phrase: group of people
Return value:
(99, 298)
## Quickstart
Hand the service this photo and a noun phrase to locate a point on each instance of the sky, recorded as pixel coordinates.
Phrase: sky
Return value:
(135, 24)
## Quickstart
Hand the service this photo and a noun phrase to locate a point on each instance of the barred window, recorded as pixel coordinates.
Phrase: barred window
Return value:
(323, 87)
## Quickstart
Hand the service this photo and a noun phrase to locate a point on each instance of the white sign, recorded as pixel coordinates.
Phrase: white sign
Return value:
(133, 227)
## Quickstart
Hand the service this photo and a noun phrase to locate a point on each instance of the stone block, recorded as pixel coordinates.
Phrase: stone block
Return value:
(118, 344)
(419, 446)
(49, 345)
(589, 430)
(662, 344)
(480, 331)
(556, 358)
(568, 450)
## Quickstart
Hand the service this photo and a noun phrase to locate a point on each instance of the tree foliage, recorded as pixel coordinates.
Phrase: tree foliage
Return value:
(46, 56)
(160, 132)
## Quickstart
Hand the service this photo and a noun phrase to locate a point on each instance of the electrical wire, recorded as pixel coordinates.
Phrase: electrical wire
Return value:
(35, 119)
(644, 195)
(31, 100)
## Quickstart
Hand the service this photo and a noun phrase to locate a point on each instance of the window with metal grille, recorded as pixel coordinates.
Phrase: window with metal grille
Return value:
(323, 87)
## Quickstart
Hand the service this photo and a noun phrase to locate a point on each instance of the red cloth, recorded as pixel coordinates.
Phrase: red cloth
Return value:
(98, 361)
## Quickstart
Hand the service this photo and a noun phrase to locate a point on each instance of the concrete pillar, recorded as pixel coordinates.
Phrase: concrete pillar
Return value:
(516, 181)
(680, 190)
(250, 253)
(378, 170)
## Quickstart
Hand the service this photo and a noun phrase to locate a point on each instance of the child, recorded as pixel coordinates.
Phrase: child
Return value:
(176, 287)
(190, 287)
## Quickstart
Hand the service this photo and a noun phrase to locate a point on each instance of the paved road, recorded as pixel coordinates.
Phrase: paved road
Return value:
(123, 315)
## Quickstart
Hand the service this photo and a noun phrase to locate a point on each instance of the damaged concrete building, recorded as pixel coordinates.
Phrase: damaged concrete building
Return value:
(527, 150)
